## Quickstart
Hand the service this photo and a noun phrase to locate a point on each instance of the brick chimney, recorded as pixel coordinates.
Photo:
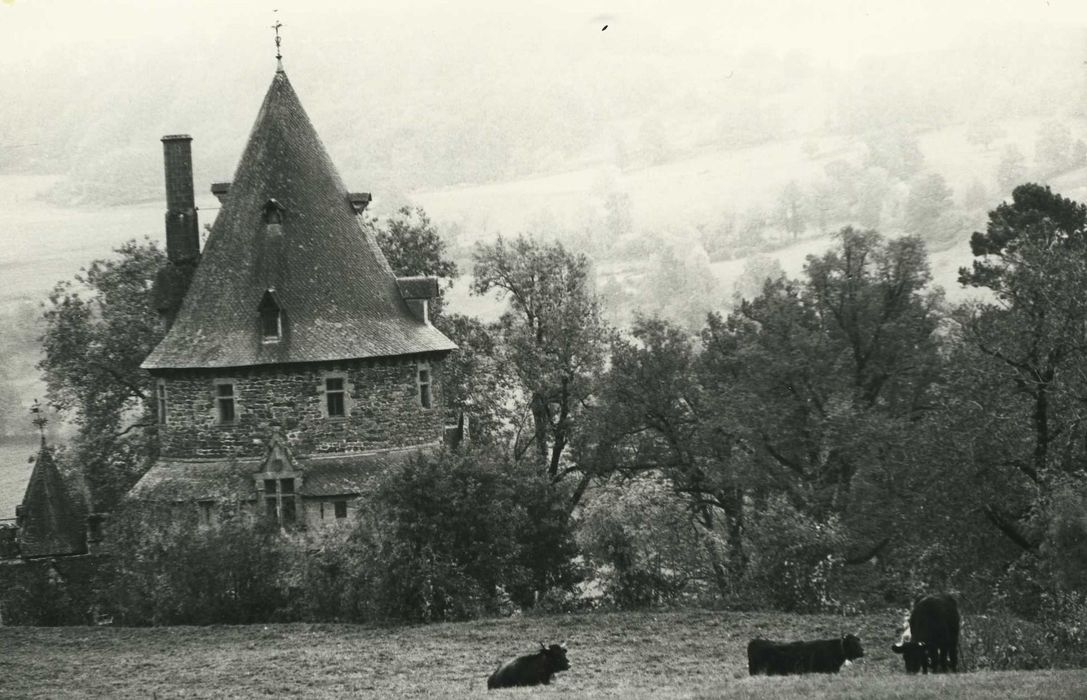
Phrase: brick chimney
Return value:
(182, 230)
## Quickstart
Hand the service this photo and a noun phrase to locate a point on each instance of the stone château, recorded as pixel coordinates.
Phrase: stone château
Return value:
(296, 364)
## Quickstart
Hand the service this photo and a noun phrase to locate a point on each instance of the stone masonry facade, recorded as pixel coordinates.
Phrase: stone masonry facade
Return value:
(383, 404)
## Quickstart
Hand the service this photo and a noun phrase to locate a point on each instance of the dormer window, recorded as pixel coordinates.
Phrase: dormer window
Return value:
(273, 212)
(271, 318)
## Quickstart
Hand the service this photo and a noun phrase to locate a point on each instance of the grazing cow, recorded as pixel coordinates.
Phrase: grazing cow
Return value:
(933, 636)
(783, 659)
(531, 669)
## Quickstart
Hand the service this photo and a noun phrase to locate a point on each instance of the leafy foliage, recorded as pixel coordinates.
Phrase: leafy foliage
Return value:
(99, 329)
(414, 247)
(164, 568)
(553, 334)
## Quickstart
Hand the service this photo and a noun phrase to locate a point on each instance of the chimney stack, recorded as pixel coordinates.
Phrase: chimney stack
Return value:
(182, 231)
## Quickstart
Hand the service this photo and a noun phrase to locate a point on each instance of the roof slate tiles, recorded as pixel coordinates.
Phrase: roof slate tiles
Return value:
(52, 523)
(340, 298)
(228, 480)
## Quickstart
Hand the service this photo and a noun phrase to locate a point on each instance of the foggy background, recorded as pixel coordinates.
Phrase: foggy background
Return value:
(690, 148)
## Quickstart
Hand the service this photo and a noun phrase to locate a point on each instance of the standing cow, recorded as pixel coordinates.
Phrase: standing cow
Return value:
(933, 636)
(783, 659)
(531, 669)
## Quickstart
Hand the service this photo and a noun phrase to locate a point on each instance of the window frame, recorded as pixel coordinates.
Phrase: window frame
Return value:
(340, 392)
(346, 391)
(160, 402)
(268, 309)
(278, 495)
(424, 393)
(219, 399)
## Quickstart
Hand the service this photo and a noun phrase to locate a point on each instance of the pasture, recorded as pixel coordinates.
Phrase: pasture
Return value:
(647, 655)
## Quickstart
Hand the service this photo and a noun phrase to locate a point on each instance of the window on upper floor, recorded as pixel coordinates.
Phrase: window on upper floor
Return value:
(423, 380)
(335, 401)
(207, 512)
(160, 400)
(224, 402)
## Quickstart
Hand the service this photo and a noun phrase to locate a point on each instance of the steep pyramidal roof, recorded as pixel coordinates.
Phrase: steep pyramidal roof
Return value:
(288, 226)
(50, 523)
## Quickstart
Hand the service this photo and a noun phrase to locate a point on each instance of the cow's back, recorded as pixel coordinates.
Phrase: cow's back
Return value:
(935, 620)
(531, 669)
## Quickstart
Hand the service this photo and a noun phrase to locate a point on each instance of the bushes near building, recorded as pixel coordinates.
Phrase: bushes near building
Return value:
(443, 537)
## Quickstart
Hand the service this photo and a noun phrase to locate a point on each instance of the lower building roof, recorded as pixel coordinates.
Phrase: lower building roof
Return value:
(233, 479)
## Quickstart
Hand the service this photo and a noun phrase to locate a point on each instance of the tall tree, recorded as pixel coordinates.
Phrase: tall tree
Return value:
(1033, 258)
(820, 366)
(553, 333)
(660, 411)
(98, 329)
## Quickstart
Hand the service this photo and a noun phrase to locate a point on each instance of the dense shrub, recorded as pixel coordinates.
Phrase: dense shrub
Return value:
(164, 568)
(796, 560)
(48, 593)
(1005, 642)
(642, 545)
(453, 535)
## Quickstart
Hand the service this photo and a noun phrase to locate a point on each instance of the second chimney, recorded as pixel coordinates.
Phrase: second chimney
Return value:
(182, 231)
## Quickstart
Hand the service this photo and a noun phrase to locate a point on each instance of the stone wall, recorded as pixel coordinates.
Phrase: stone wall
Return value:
(383, 408)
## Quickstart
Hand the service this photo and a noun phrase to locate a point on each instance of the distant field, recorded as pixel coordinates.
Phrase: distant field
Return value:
(643, 655)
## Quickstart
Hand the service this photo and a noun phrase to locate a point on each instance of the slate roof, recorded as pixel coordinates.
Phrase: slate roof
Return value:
(51, 523)
(340, 298)
(229, 480)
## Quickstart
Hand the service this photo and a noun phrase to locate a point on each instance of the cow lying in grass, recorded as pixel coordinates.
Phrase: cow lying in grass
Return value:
(932, 639)
(787, 658)
(531, 669)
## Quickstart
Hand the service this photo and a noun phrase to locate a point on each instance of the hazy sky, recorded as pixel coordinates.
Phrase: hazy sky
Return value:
(838, 30)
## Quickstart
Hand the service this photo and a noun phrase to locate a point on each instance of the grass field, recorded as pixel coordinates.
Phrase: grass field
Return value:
(665, 655)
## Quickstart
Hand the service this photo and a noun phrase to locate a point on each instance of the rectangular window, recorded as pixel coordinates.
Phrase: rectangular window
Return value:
(424, 385)
(160, 399)
(224, 397)
(341, 509)
(280, 501)
(206, 510)
(334, 397)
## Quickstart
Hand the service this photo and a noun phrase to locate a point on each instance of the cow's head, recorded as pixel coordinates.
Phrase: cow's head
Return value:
(556, 656)
(851, 645)
(915, 654)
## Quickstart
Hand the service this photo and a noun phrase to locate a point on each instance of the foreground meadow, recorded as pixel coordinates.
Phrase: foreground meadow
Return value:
(674, 654)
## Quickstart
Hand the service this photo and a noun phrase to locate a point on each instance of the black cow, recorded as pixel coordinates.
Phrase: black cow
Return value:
(933, 636)
(531, 669)
(783, 659)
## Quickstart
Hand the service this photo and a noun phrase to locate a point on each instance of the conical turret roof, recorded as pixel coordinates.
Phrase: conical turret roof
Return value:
(51, 524)
(288, 227)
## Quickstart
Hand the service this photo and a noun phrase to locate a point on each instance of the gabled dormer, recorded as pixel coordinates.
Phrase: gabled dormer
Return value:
(279, 482)
(271, 317)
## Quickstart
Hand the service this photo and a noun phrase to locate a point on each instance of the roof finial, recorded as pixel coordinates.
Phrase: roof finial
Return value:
(279, 56)
(39, 419)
